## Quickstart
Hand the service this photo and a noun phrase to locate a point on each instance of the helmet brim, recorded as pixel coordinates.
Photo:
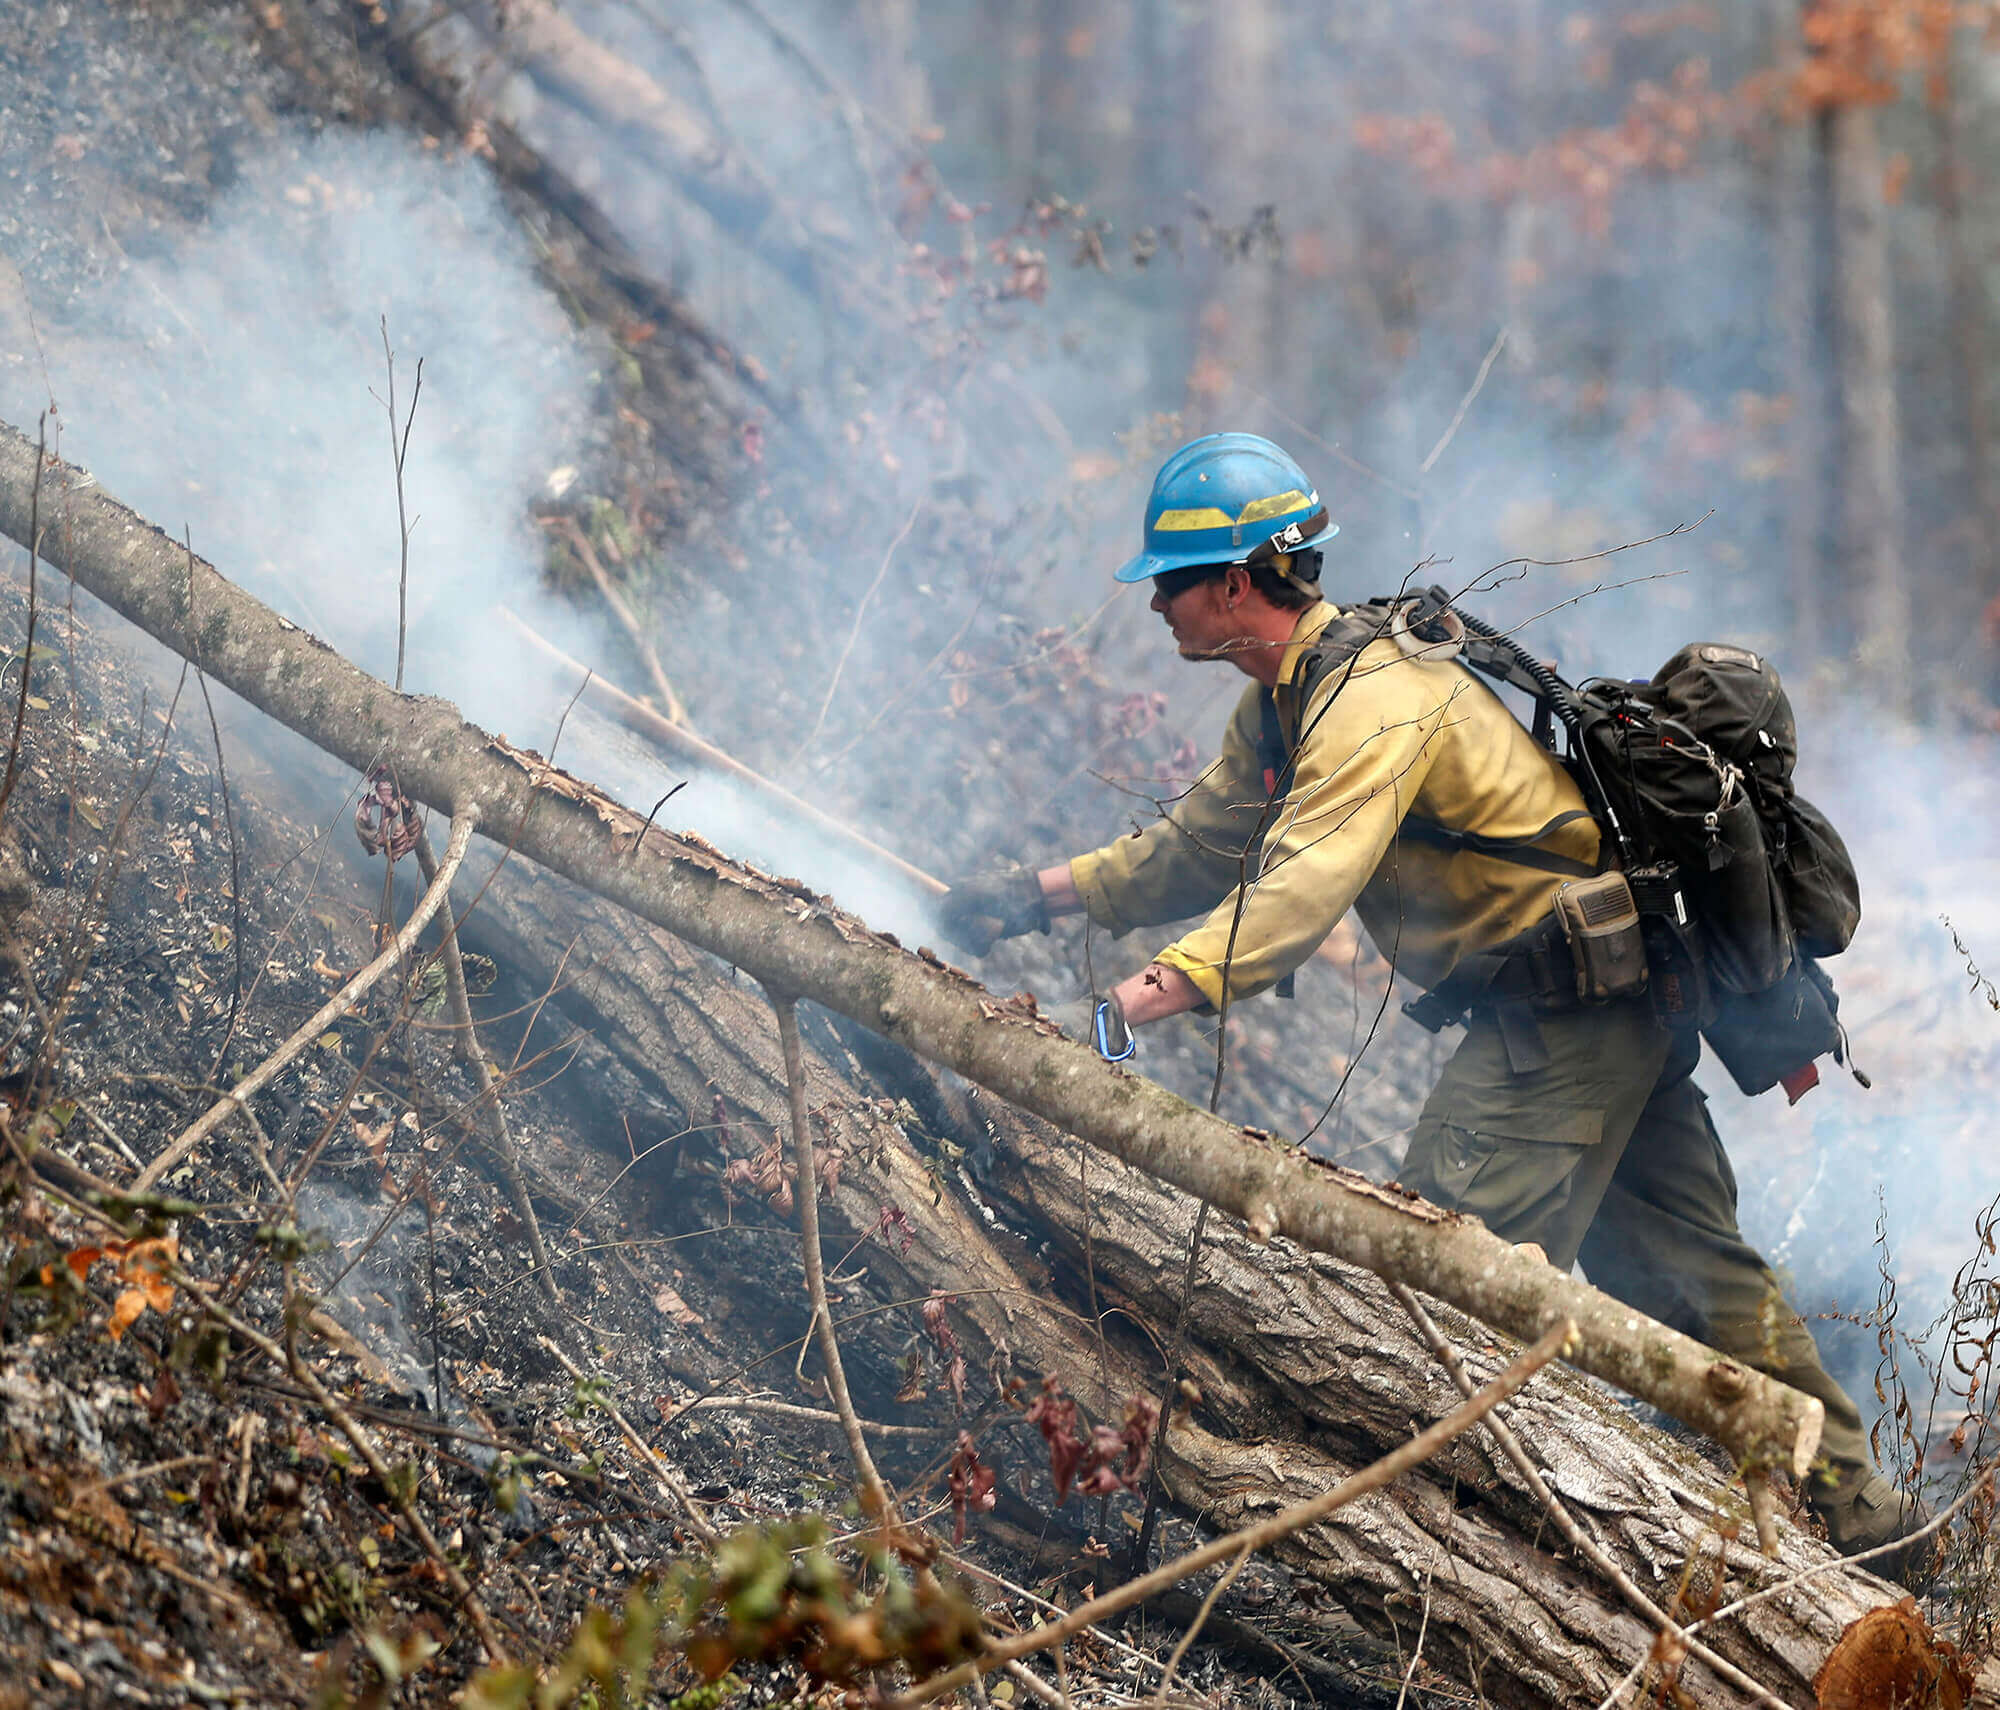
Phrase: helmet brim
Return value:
(1150, 564)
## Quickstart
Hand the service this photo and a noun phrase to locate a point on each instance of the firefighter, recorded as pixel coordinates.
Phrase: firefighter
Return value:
(1382, 775)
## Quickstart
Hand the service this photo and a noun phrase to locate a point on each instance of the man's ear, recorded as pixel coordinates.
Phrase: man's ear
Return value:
(1236, 585)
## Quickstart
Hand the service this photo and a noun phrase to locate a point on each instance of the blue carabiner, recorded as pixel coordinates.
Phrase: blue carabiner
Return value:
(1104, 1038)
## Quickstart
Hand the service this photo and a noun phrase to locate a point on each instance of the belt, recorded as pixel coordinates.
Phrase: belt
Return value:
(1525, 976)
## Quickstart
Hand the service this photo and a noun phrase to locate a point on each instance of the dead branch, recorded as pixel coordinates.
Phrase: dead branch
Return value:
(341, 1003)
(678, 739)
(289, 1358)
(1250, 1539)
(671, 705)
(812, 1415)
(875, 1500)
(802, 944)
(458, 1005)
(698, 1522)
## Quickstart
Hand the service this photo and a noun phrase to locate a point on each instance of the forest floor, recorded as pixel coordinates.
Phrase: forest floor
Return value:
(181, 1522)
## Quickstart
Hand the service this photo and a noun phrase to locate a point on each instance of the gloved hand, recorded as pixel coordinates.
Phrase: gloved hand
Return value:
(1098, 1022)
(385, 822)
(975, 912)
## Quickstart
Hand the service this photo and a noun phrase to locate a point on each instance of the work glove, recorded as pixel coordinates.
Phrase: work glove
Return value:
(1098, 1022)
(385, 822)
(976, 912)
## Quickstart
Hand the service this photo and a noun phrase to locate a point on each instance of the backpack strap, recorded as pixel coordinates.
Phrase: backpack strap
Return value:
(1272, 752)
(1339, 642)
(1519, 850)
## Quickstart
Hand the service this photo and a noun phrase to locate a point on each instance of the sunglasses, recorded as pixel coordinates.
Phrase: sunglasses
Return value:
(1300, 567)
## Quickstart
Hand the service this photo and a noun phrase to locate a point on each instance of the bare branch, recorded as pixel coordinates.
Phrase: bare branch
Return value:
(875, 1500)
(1391, 1466)
(341, 1003)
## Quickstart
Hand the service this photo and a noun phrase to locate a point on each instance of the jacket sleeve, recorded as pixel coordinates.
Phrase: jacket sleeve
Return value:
(1185, 862)
(1368, 741)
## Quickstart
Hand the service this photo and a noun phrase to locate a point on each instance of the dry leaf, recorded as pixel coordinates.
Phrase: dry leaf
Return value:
(669, 1302)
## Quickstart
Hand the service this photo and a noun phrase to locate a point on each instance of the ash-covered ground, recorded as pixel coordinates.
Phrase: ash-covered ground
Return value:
(182, 1523)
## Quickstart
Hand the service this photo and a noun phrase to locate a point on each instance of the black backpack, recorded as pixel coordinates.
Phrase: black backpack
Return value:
(1742, 884)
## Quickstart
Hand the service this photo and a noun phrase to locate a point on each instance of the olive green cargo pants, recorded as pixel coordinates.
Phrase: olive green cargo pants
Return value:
(1607, 1155)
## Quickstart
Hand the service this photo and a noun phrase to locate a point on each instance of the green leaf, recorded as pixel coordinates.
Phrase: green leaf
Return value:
(504, 1688)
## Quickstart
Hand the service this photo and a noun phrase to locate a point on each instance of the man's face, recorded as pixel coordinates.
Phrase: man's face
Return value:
(1203, 618)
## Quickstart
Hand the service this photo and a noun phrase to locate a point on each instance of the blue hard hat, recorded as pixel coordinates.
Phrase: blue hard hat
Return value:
(1219, 498)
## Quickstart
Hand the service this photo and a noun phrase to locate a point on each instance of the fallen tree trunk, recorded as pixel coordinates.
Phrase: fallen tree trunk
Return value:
(1308, 1368)
(780, 932)
(453, 49)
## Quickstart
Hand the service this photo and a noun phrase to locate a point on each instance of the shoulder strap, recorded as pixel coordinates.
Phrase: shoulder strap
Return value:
(1272, 753)
(1519, 850)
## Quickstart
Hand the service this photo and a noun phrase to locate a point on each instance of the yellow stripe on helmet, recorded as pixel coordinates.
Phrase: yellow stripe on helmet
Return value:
(1205, 516)
(1278, 505)
(1258, 510)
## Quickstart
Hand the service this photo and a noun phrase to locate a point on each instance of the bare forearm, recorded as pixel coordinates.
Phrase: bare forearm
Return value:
(1059, 890)
(1156, 992)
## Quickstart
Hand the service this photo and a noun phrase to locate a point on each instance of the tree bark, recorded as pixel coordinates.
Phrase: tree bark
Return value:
(778, 931)
(446, 45)
(1799, 309)
(1307, 1368)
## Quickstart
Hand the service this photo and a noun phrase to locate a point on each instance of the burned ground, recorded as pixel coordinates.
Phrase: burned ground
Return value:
(182, 1522)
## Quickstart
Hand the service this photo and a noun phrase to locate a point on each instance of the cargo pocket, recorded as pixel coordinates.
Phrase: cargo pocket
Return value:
(1517, 1184)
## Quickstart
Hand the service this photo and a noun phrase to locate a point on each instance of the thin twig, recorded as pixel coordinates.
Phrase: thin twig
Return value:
(698, 1522)
(228, 822)
(1415, 1452)
(1417, 1650)
(458, 1005)
(816, 1415)
(1465, 403)
(147, 1471)
(875, 1500)
(302, 1373)
(1222, 1584)
(340, 1004)
(1578, 1539)
(854, 633)
(399, 450)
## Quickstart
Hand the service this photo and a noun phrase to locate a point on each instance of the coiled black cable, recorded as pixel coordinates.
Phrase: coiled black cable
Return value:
(1562, 700)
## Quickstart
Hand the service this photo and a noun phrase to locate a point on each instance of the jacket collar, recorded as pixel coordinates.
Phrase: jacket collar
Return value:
(1311, 625)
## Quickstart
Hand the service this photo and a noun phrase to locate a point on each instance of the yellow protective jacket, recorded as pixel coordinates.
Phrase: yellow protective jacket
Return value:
(1389, 737)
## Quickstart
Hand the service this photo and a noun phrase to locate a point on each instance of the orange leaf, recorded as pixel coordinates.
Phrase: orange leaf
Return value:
(81, 1260)
(125, 1312)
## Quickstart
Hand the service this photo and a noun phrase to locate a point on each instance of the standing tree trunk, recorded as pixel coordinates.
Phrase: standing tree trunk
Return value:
(1240, 341)
(1871, 424)
(1798, 194)
(1969, 344)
